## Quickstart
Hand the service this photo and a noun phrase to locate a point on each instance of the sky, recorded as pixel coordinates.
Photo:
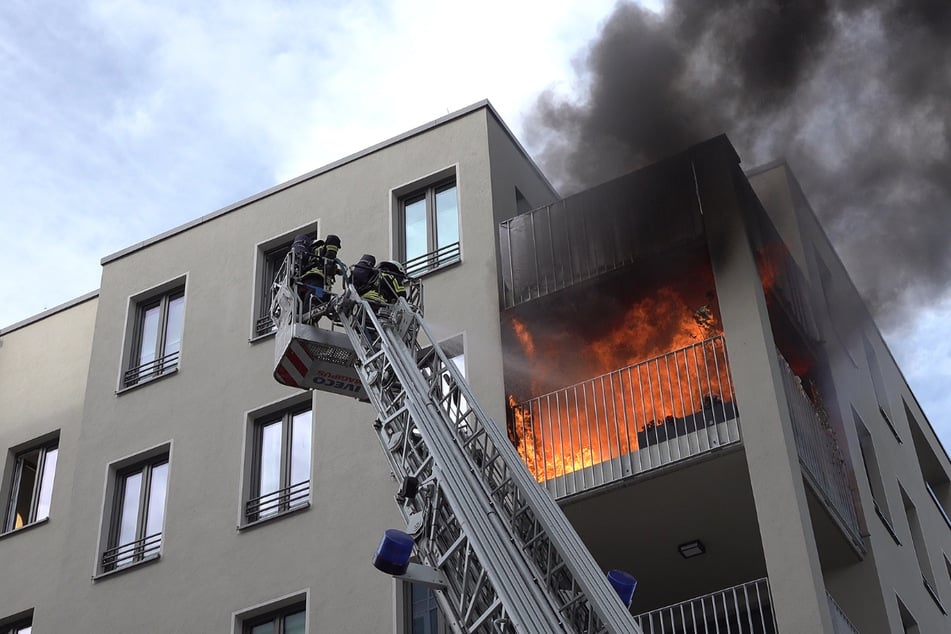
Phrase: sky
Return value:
(121, 119)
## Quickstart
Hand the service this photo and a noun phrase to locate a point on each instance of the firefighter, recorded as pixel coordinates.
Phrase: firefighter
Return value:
(366, 279)
(319, 270)
(392, 281)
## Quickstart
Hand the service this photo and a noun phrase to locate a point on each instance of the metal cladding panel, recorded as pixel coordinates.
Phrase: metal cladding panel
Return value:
(313, 358)
(599, 230)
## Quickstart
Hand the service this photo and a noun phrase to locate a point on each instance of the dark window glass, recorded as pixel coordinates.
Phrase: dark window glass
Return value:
(290, 620)
(280, 464)
(139, 514)
(428, 227)
(32, 487)
(424, 612)
(273, 259)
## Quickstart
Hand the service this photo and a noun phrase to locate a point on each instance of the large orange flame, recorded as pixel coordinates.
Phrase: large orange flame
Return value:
(654, 372)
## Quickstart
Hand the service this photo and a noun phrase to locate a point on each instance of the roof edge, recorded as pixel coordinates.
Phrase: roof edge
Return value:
(484, 103)
(50, 312)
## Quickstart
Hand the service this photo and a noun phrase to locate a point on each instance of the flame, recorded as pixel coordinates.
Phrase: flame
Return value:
(656, 370)
(524, 337)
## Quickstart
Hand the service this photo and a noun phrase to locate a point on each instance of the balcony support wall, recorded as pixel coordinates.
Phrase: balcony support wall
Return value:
(789, 545)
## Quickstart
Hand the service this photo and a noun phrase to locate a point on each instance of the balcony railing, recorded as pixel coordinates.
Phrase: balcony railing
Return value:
(264, 326)
(840, 622)
(125, 554)
(742, 609)
(279, 501)
(151, 369)
(820, 457)
(433, 260)
(632, 420)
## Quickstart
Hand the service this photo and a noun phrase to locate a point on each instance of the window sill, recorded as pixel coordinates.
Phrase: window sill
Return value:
(22, 529)
(249, 525)
(147, 381)
(257, 338)
(151, 559)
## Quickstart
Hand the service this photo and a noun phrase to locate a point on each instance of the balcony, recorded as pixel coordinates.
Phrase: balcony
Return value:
(636, 419)
(840, 622)
(822, 462)
(742, 609)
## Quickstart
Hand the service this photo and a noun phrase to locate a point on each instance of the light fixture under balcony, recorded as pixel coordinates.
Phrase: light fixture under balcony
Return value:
(691, 549)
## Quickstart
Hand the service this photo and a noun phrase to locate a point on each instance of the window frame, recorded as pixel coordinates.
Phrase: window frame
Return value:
(243, 620)
(132, 373)
(17, 623)
(150, 549)
(426, 189)
(292, 497)
(11, 493)
(407, 605)
(279, 615)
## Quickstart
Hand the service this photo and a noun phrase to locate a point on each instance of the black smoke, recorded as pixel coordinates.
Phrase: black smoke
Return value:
(856, 95)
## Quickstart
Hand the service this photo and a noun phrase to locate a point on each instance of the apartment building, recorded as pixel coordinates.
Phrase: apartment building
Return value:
(678, 355)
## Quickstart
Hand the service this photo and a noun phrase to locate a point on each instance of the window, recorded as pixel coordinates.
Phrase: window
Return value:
(908, 623)
(288, 621)
(289, 618)
(271, 261)
(32, 486)
(878, 385)
(422, 612)
(920, 547)
(873, 475)
(428, 227)
(138, 513)
(280, 463)
(156, 336)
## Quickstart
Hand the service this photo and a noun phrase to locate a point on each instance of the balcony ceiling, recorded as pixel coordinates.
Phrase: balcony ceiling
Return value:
(637, 527)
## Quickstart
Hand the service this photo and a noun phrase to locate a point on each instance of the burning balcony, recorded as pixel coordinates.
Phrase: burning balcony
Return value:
(822, 461)
(630, 420)
(620, 373)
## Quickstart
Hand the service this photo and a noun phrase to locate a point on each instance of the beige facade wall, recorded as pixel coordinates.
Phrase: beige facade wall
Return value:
(209, 570)
(43, 364)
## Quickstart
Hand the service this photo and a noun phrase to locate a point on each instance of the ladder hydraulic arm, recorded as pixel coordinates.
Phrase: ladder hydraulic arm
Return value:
(507, 557)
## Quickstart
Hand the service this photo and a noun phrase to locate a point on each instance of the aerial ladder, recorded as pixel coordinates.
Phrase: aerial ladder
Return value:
(497, 549)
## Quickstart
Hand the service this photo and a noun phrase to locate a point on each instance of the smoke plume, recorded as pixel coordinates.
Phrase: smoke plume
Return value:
(855, 94)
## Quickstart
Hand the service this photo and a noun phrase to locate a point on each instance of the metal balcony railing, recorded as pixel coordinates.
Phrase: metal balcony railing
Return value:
(433, 260)
(638, 418)
(151, 369)
(742, 609)
(840, 622)
(125, 554)
(819, 455)
(264, 326)
(279, 501)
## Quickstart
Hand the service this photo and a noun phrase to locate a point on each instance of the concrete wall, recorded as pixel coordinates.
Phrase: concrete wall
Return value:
(43, 365)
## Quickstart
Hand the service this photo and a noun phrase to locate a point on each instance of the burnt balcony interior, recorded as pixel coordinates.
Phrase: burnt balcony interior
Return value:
(620, 373)
(810, 393)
